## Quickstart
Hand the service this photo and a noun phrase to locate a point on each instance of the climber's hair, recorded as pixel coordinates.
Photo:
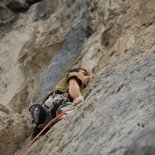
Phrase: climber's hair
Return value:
(78, 69)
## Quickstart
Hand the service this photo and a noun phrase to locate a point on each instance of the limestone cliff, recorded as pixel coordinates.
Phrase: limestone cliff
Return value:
(114, 40)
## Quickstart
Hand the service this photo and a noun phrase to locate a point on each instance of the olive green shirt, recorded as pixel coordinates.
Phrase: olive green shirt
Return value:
(63, 85)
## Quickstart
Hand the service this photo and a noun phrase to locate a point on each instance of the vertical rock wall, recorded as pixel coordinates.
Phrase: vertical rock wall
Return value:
(114, 40)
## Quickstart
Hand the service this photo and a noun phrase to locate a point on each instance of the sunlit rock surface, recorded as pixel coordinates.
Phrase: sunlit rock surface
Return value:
(113, 40)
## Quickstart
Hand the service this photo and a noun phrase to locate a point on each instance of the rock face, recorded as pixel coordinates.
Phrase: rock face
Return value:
(113, 40)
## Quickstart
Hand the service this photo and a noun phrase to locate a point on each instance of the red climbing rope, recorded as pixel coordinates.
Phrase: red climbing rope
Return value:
(47, 125)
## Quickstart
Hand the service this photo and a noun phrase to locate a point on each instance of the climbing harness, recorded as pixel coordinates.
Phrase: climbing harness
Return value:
(47, 125)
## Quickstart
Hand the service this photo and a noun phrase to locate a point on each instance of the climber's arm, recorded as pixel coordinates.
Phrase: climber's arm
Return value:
(74, 91)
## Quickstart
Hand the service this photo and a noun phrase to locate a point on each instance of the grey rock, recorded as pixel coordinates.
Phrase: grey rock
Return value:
(18, 6)
(6, 16)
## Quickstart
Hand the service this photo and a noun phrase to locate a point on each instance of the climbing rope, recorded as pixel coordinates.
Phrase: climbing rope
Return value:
(47, 125)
